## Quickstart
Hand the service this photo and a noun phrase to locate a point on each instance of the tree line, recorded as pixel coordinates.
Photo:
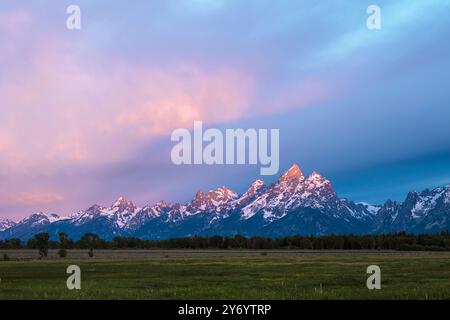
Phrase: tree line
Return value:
(90, 241)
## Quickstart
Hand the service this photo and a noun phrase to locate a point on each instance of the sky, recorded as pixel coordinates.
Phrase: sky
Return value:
(86, 115)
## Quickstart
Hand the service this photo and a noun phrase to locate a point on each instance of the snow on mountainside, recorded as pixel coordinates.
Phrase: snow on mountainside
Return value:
(295, 204)
(427, 211)
(29, 226)
(39, 218)
(119, 213)
(214, 200)
(6, 224)
(294, 191)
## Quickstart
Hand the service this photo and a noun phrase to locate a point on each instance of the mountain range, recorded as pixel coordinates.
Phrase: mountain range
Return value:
(294, 205)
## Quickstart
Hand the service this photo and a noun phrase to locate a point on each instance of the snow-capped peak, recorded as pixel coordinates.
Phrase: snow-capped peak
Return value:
(162, 204)
(123, 205)
(315, 180)
(257, 184)
(222, 194)
(119, 213)
(200, 195)
(371, 208)
(40, 218)
(6, 224)
(254, 188)
(118, 202)
(214, 199)
(292, 191)
(294, 173)
(315, 176)
(422, 203)
(200, 200)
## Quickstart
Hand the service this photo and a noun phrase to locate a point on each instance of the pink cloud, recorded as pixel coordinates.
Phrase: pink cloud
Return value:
(37, 198)
(65, 111)
(176, 98)
(13, 22)
(33, 197)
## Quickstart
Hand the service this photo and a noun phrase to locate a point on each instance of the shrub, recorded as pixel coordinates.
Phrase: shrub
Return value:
(42, 244)
(63, 240)
(62, 253)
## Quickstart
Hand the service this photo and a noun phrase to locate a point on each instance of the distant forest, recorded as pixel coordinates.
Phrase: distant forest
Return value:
(394, 241)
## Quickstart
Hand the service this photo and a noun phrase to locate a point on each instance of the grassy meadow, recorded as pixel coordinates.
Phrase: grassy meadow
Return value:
(233, 274)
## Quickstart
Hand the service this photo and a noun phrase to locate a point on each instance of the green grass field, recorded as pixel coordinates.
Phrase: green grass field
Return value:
(229, 275)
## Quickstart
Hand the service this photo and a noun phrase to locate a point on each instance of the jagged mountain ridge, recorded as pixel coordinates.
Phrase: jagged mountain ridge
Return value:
(295, 204)
(6, 224)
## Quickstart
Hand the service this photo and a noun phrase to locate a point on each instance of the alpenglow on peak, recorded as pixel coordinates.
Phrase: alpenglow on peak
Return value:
(294, 173)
